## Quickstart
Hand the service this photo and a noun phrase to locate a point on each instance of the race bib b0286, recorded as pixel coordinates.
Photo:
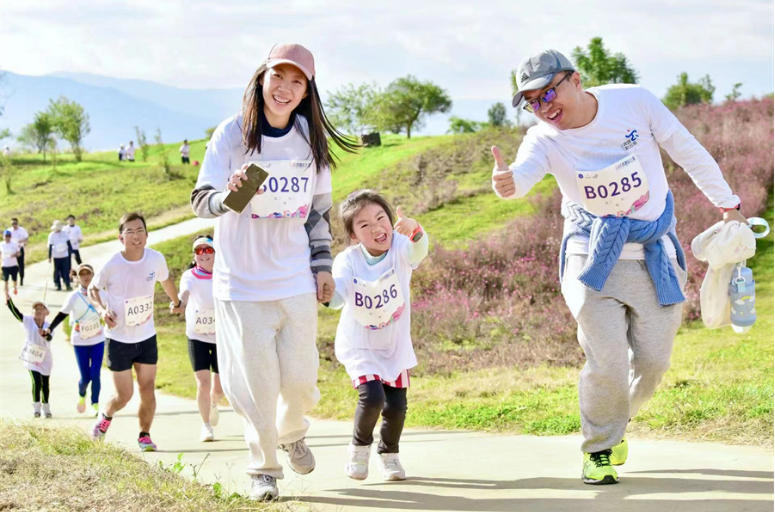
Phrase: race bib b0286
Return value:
(619, 190)
(287, 191)
(377, 304)
(138, 310)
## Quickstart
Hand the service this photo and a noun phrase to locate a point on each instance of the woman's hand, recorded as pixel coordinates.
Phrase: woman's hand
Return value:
(236, 179)
(326, 286)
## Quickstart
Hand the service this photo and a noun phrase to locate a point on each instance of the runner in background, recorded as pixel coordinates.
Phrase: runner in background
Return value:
(185, 152)
(130, 152)
(87, 336)
(10, 254)
(20, 236)
(59, 250)
(129, 280)
(196, 293)
(76, 237)
(36, 353)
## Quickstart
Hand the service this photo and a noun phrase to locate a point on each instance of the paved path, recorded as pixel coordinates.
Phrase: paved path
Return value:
(448, 471)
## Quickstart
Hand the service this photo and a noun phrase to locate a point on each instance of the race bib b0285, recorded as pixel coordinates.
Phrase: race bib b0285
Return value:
(287, 191)
(619, 190)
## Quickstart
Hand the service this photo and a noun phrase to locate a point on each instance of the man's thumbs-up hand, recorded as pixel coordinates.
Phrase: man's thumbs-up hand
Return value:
(502, 177)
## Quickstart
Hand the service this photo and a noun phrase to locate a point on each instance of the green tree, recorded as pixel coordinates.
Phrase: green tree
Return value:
(71, 123)
(142, 142)
(458, 125)
(497, 115)
(209, 132)
(406, 103)
(350, 107)
(735, 94)
(688, 93)
(38, 134)
(597, 66)
(164, 158)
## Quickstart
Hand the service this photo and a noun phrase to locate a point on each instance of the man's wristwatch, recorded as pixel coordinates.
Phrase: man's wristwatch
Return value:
(725, 210)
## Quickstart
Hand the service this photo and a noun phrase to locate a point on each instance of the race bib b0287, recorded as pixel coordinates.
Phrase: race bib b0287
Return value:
(287, 191)
(619, 190)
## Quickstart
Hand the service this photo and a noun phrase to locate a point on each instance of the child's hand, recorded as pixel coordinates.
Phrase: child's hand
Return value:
(326, 287)
(44, 332)
(405, 225)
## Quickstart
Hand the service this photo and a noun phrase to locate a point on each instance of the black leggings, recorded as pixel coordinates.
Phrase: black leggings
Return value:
(39, 383)
(373, 398)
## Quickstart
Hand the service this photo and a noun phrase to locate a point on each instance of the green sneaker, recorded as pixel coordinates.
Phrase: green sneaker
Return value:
(96, 408)
(81, 405)
(619, 453)
(598, 469)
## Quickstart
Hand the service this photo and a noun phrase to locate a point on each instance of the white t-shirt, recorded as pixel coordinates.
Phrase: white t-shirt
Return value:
(59, 239)
(130, 152)
(200, 304)
(130, 287)
(19, 234)
(386, 351)
(629, 121)
(185, 150)
(32, 337)
(259, 259)
(9, 250)
(81, 311)
(74, 232)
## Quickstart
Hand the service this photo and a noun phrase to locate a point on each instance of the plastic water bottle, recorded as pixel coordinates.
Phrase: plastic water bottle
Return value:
(742, 298)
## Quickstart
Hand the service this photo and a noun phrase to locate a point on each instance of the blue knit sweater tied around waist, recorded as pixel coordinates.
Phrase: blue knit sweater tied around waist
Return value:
(607, 236)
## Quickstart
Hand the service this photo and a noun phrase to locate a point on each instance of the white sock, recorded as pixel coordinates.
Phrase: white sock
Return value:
(36, 406)
(47, 408)
(207, 424)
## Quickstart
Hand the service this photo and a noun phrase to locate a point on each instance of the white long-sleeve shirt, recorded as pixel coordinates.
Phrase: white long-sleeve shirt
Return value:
(629, 121)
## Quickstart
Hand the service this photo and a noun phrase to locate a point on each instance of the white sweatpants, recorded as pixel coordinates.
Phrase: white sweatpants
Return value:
(267, 350)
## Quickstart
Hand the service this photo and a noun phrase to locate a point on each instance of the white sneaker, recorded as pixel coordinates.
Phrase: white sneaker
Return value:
(207, 434)
(392, 470)
(300, 457)
(263, 488)
(357, 466)
(214, 415)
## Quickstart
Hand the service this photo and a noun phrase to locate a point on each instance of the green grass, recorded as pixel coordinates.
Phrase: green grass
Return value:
(43, 467)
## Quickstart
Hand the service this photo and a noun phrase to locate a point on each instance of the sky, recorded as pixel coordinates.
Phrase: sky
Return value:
(467, 47)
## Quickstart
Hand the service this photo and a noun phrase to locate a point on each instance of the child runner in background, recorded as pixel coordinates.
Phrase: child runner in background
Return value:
(373, 340)
(20, 236)
(196, 293)
(130, 152)
(59, 249)
(87, 336)
(129, 280)
(76, 237)
(10, 252)
(36, 353)
(272, 258)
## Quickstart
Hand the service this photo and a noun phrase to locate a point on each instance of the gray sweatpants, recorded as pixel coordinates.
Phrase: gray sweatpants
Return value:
(267, 350)
(627, 338)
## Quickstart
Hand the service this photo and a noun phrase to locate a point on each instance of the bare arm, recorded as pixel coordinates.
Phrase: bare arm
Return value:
(172, 292)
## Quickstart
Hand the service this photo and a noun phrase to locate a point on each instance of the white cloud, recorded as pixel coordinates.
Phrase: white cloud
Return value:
(467, 47)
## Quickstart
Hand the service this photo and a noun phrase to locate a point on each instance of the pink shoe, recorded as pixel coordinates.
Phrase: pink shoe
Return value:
(146, 445)
(100, 428)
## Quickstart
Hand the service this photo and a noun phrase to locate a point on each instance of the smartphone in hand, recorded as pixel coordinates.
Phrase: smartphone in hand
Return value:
(237, 201)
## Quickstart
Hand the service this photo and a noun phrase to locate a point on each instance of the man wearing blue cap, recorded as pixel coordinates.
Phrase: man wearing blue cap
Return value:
(10, 253)
(621, 266)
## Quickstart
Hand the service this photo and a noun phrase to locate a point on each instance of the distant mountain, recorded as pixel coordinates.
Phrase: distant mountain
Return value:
(117, 105)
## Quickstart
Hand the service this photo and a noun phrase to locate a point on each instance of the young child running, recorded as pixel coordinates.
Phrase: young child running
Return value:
(129, 279)
(196, 294)
(87, 336)
(10, 251)
(373, 340)
(272, 258)
(36, 353)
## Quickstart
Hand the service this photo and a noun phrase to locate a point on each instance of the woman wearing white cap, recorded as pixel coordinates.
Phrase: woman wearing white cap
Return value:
(59, 249)
(36, 353)
(196, 293)
(622, 268)
(87, 337)
(274, 259)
